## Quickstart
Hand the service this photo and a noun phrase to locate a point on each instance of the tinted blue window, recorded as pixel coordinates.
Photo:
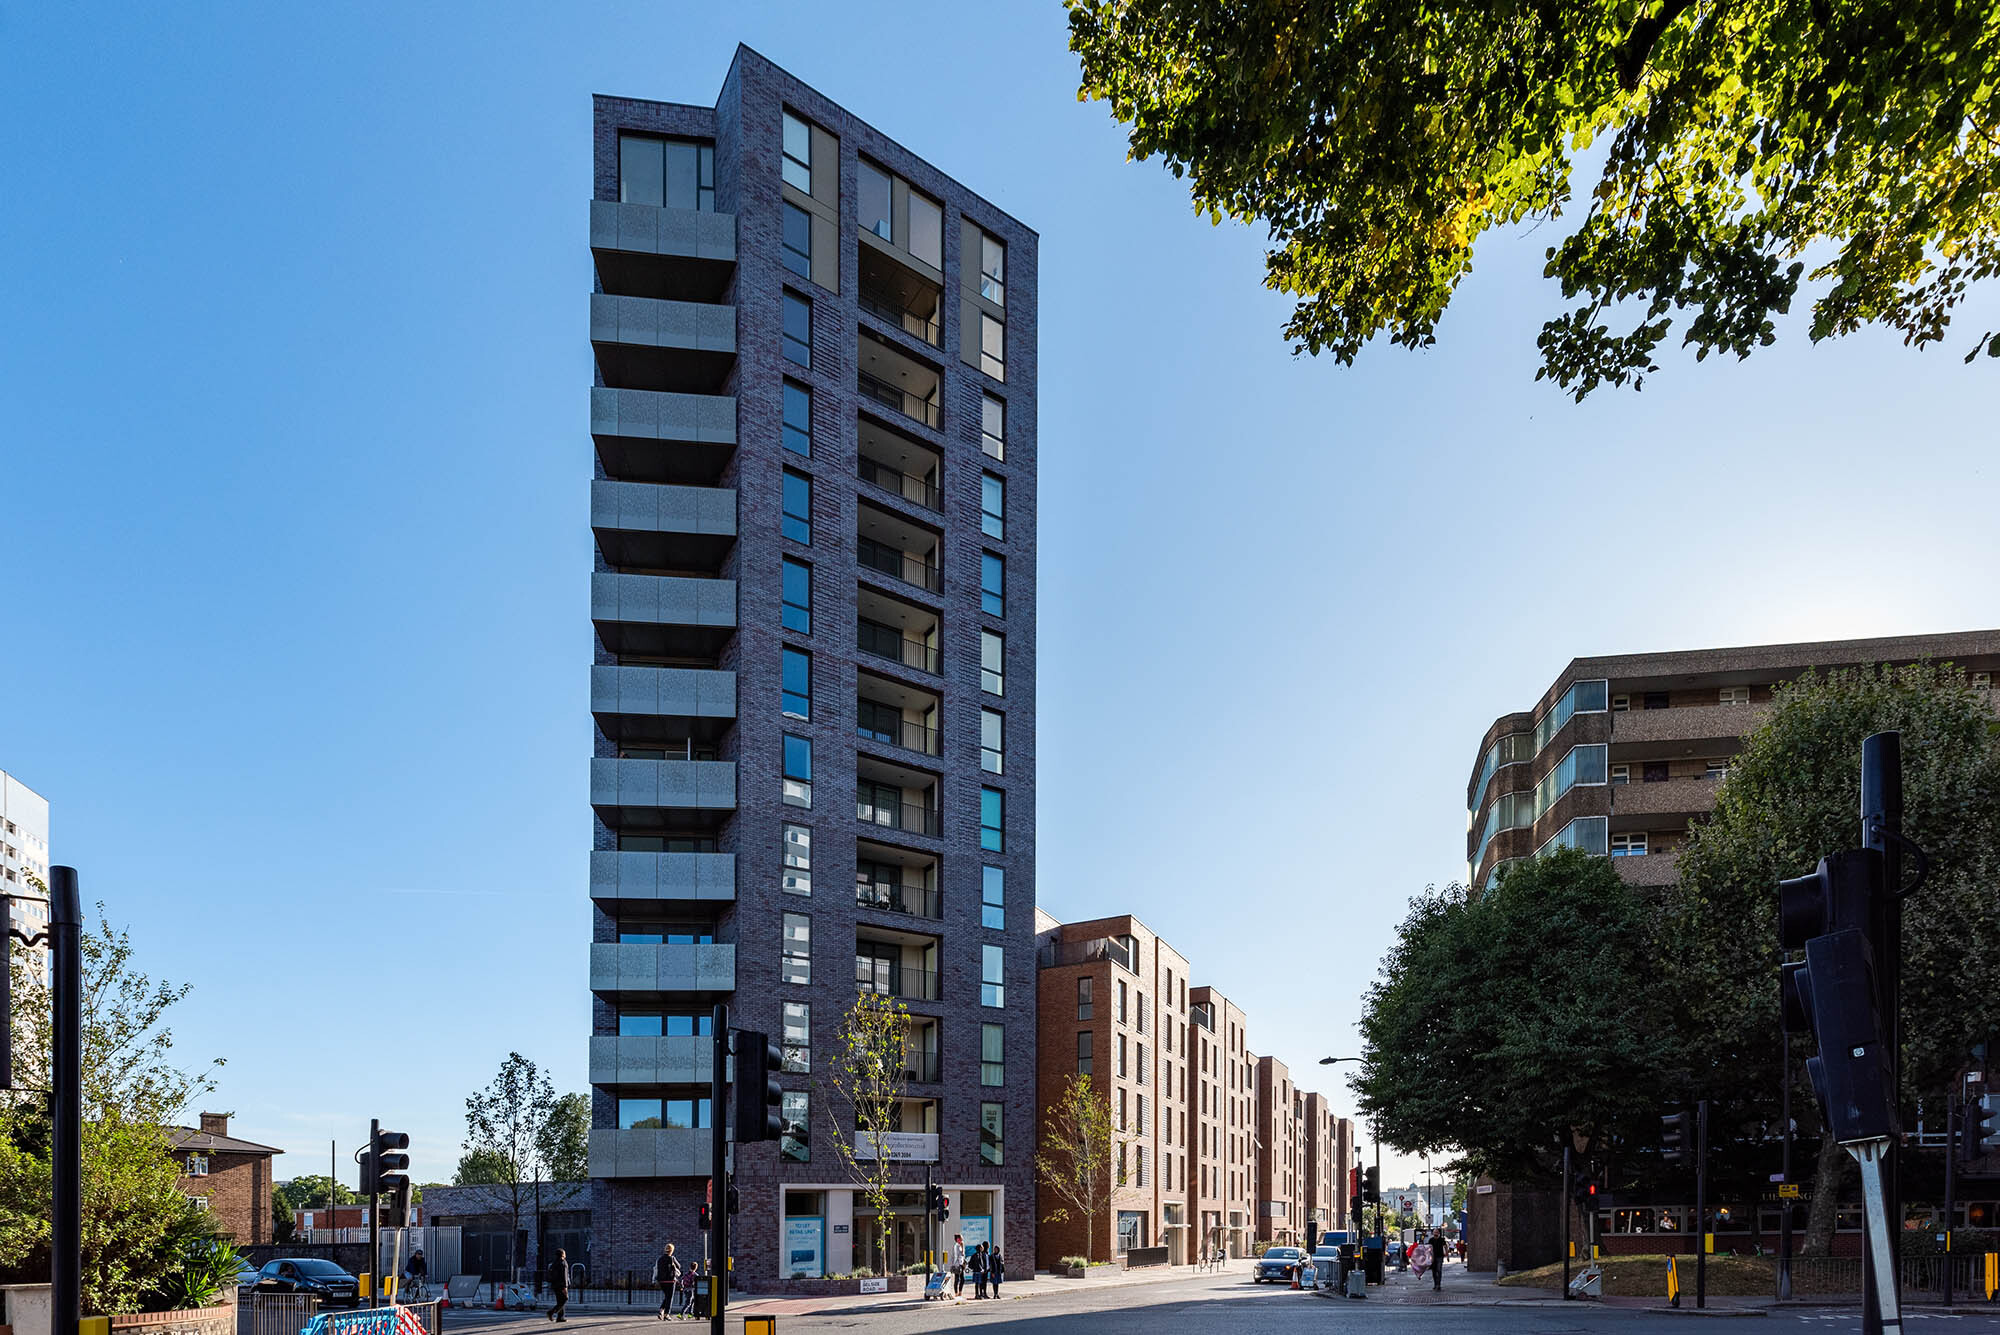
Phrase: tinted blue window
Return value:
(798, 336)
(797, 523)
(798, 758)
(798, 419)
(798, 604)
(992, 584)
(798, 683)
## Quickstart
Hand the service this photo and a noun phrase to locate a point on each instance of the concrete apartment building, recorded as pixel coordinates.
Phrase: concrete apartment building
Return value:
(1226, 1108)
(813, 633)
(24, 853)
(1623, 753)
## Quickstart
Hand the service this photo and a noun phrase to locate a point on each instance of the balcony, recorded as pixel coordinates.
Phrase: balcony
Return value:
(645, 343)
(917, 901)
(898, 464)
(616, 1059)
(644, 250)
(920, 1055)
(630, 793)
(890, 545)
(892, 980)
(663, 527)
(1664, 734)
(662, 615)
(646, 704)
(1649, 870)
(656, 1152)
(899, 296)
(1059, 954)
(648, 435)
(1693, 796)
(892, 381)
(891, 714)
(636, 972)
(621, 880)
(909, 817)
(893, 631)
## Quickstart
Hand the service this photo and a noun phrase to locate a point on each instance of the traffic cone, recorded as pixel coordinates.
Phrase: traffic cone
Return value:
(1295, 1277)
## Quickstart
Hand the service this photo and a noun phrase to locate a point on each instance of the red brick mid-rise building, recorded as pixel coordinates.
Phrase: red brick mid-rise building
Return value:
(1226, 1105)
(231, 1178)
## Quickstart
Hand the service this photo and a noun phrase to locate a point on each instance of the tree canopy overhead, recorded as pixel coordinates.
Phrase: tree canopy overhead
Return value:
(1747, 140)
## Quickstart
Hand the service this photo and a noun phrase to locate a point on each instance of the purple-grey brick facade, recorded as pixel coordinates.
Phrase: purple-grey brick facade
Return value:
(633, 1210)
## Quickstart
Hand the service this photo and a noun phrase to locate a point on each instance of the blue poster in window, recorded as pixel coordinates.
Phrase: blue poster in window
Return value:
(805, 1247)
(975, 1229)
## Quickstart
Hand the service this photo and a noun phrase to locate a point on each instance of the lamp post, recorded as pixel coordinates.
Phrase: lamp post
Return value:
(1377, 1132)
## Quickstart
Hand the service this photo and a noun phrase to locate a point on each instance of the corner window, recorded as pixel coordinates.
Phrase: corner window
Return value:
(872, 206)
(797, 1046)
(992, 662)
(993, 898)
(798, 771)
(798, 846)
(990, 1140)
(796, 965)
(676, 173)
(795, 246)
(798, 594)
(992, 506)
(992, 820)
(797, 682)
(992, 584)
(798, 330)
(992, 1055)
(993, 425)
(795, 1137)
(798, 419)
(992, 346)
(796, 169)
(992, 740)
(796, 522)
(993, 977)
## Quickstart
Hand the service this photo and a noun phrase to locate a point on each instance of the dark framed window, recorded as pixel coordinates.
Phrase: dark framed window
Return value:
(992, 346)
(992, 584)
(993, 977)
(993, 1055)
(796, 169)
(993, 662)
(797, 1045)
(796, 964)
(992, 506)
(798, 770)
(1086, 1051)
(993, 268)
(991, 1141)
(798, 329)
(798, 419)
(1085, 1002)
(795, 1138)
(992, 740)
(796, 242)
(796, 522)
(676, 173)
(993, 900)
(797, 682)
(798, 594)
(993, 425)
(798, 858)
(992, 820)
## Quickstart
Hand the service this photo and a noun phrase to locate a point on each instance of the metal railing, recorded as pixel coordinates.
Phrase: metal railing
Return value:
(897, 400)
(916, 900)
(906, 485)
(281, 1313)
(874, 638)
(1086, 952)
(921, 1068)
(910, 736)
(892, 980)
(898, 816)
(898, 564)
(905, 316)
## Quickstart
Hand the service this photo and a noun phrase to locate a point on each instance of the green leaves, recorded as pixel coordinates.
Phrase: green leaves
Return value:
(1379, 138)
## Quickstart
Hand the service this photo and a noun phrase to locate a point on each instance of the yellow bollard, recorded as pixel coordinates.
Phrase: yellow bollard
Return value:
(1708, 1243)
(1673, 1283)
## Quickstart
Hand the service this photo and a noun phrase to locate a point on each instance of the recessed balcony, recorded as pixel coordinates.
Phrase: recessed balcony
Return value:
(633, 972)
(899, 296)
(889, 796)
(899, 465)
(890, 630)
(889, 545)
(646, 435)
(628, 881)
(889, 713)
(645, 343)
(645, 250)
(899, 964)
(648, 524)
(892, 381)
(662, 615)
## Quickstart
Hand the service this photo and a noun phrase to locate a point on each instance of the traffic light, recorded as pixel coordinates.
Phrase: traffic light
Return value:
(385, 1168)
(1982, 1123)
(396, 1207)
(701, 1217)
(757, 1091)
(1674, 1138)
(933, 1198)
(1354, 1210)
(1842, 892)
(1850, 1076)
(944, 1206)
(1371, 1185)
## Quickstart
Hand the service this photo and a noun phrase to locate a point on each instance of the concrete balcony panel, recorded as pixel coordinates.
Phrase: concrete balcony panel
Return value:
(1670, 797)
(648, 344)
(647, 435)
(663, 527)
(655, 692)
(1649, 871)
(664, 1152)
(639, 879)
(1653, 734)
(618, 787)
(620, 967)
(646, 250)
(662, 614)
(617, 1059)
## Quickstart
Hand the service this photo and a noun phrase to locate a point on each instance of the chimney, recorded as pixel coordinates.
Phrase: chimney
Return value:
(215, 1124)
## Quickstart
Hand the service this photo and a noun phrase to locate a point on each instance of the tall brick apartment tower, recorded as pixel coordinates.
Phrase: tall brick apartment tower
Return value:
(813, 612)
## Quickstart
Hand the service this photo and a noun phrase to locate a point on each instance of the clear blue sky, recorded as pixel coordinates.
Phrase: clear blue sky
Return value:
(294, 469)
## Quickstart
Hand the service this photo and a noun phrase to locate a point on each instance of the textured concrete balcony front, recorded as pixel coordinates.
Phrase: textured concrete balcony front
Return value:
(662, 614)
(655, 526)
(635, 880)
(649, 1153)
(646, 343)
(645, 250)
(617, 1059)
(628, 969)
(646, 435)
(1659, 734)
(631, 702)
(632, 792)
(1650, 871)
(1670, 797)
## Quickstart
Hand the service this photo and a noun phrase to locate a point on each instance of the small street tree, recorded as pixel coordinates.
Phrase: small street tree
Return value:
(506, 1125)
(866, 1075)
(1080, 1160)
(565, 1147)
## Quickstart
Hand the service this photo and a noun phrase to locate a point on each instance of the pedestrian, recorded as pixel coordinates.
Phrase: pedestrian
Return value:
(667, 1274)
(418, 1268)
(996, 1270)
(958, 1265)
(977, 1264)
(559, 1284)
(1437, 1252)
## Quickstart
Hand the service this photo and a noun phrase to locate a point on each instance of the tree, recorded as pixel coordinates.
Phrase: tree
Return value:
(480, 1168)
(1080, 1157)
(507, 1121)
(138, 1226)
(1790, 798)
(565, 1141)
(867, 1077)
(308, 1191)
(1378, 139)
(1507, 1023)
(283, 1227)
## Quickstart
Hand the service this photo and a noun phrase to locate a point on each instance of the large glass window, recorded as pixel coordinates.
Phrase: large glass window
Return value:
(798, 419)
(798, 771)
(990, 1138)
(796, 522)
(796, 240)
(652, 932)
(1583, 765)
(992, 584)
(652, 1114)
(992, 506)
(797, 682)
(872, 206)
(993, 425)
(927, 230)
(993, 269)
(993, 1055)
(993, 976)
(992, 346)
(993, 899)
(1085, 1003)
(1585, 832)
(992, 662)
(992, 820)
(798, 330)
(797, 166)
(798, 595)
(795, 1138)
(798, 874)
(1583, 697)
(796, 966)
(992, 740)
(1086, 1050)
(797, 1045)
(669, 1024)
(677, 173)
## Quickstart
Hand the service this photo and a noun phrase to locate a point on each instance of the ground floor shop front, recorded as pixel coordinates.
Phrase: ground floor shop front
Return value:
(832, 1229)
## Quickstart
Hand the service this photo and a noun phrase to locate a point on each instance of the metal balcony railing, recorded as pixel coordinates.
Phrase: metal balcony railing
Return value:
(908, 486)
(892, 980)
(918, 901)
(910, 736)
(897, 400)
(898, 564)
(1060, 953)
(872, 637)
(904, 315)
(921, 1068)
(898, 816)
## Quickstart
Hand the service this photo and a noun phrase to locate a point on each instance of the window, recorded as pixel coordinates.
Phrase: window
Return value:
(644, 933)
(796, 169)
(992, 976)
(196, 1166)
(1628, 845)
(679, 1114)
(796, 682)
(1620, 703)
(798, 1036)
(653, 1024)
(1621, 774)
(1139, 1060)
(676, 173)
(798, 876)
(796, 966)
(798, 771)
(992, 346)
(798, 330)
(993, 1055)
(872, 205)
(1118, 1011)
(798, 417)
(1981, 681)
(989, 1133)
(992, 662)
(993, 898)
(1654, 771)
(1085, 1007)
(796, 240)
(1716, 770)
(1733, 695)
(797, 613)
(1086, 1046)
(1121, 1074)
(1656, 700)
(798, 504)
(993, 269)
(927, 233)
(992, 820)
(993, 425)
(992, 506)
(992, 740)
(795, 1137)
(992, 584)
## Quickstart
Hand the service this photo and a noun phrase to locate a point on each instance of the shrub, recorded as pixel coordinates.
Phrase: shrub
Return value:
(1075, 1262)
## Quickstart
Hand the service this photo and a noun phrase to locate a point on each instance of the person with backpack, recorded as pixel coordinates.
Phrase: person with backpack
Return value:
(667, 1274)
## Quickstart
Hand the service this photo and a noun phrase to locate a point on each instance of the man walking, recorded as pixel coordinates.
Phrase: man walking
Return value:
(559, 1284)
(1437, 1259)
(958, 1265)
(667, 1274)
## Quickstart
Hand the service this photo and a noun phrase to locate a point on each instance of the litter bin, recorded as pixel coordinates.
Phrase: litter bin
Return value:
(1373, 1255)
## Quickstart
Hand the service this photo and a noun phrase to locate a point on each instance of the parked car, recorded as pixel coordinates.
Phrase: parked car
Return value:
(1394, 1255)
(247, 1274)
(326, 1281)
(1276, 1263)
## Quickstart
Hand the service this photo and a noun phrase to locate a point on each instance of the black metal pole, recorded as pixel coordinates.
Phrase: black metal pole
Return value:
(1785, 1165)
(718, 1160)
(1882, 818)
(66, 1139)
(1951, 1124)
(374, 1216)
(1701, 1205)
(1565, 1214)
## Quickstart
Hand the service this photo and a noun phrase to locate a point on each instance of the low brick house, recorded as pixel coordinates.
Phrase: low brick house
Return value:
(231, 1177)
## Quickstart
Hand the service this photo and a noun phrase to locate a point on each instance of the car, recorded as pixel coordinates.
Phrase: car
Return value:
(309, 1274)
(246, 1274)
(1276, 1263)
(1394, 1254)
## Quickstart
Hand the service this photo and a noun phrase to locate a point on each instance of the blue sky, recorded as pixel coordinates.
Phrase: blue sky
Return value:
(294, 472)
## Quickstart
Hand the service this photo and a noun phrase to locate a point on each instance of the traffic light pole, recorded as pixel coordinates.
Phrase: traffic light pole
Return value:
(718, 1159)
(1785, 1165)
(1881, 830)
(374, 1215)
(1566, 1206)
(1951, 1125)
(1701, 1204)
(66, 1066)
